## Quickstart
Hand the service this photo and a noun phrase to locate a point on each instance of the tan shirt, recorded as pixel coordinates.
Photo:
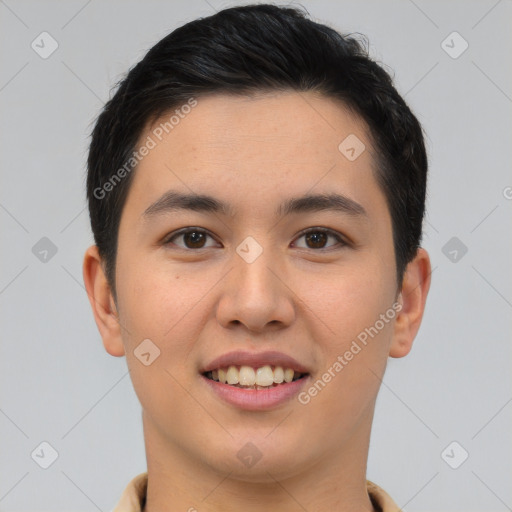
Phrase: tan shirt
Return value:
(134, 496)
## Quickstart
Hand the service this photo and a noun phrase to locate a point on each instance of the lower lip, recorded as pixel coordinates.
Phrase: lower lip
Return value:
(256, 399)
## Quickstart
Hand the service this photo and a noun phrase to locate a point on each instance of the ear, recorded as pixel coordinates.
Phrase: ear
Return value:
(102, 302)
(415, 287)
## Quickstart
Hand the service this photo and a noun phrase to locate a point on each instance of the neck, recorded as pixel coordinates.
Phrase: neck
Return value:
(179, 482)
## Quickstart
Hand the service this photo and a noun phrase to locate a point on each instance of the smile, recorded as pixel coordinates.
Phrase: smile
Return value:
(247, 377)
(251, 396)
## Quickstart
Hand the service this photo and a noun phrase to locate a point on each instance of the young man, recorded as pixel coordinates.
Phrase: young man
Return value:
(256, 190)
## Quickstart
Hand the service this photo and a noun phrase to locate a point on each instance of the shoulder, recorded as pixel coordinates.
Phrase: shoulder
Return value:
(380, 499)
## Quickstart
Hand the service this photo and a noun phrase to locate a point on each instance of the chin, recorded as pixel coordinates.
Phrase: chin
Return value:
(259, 457)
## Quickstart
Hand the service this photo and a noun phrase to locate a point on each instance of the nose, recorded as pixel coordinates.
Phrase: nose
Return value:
(255, 294)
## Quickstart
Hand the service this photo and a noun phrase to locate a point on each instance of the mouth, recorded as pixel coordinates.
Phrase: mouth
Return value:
(255, 382)
(248, 377)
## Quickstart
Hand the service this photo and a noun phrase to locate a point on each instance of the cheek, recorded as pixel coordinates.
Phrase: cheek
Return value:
(351, 336)
(155, 302)
(159, 308)
(348, 300)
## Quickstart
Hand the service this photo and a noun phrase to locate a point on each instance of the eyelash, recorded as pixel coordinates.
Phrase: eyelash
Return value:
(326, 231)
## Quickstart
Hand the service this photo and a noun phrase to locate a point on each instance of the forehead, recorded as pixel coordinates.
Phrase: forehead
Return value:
(272, 120)
(256, 149)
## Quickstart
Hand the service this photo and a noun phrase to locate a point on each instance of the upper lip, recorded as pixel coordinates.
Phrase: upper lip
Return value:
(256, 360)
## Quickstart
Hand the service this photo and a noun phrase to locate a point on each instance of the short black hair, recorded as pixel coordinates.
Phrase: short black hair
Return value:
(244, 50)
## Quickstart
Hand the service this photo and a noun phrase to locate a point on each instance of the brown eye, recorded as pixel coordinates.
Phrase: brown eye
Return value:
(192, 239)
(317, 238)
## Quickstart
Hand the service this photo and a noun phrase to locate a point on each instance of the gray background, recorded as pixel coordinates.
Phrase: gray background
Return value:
(59, 385)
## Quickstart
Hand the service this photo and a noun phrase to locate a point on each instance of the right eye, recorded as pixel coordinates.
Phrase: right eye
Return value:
(193, 238)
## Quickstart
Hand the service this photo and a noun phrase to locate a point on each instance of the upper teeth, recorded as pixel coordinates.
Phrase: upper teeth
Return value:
(248, 376)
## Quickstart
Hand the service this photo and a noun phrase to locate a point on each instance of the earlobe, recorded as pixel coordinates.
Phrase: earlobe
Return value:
(415, 287)
(102, 302)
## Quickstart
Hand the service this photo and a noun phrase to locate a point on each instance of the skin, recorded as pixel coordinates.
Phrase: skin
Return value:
(196, 304)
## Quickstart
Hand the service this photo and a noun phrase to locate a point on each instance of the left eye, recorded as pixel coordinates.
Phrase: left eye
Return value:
(195, 238)
(319, 236)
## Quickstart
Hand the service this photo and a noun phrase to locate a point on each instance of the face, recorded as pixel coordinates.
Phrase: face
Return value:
(257, 277)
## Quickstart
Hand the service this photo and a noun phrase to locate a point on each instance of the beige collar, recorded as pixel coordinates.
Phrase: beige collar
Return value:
(134, 496)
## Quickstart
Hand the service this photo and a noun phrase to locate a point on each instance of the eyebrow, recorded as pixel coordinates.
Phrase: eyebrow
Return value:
(173, 201)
